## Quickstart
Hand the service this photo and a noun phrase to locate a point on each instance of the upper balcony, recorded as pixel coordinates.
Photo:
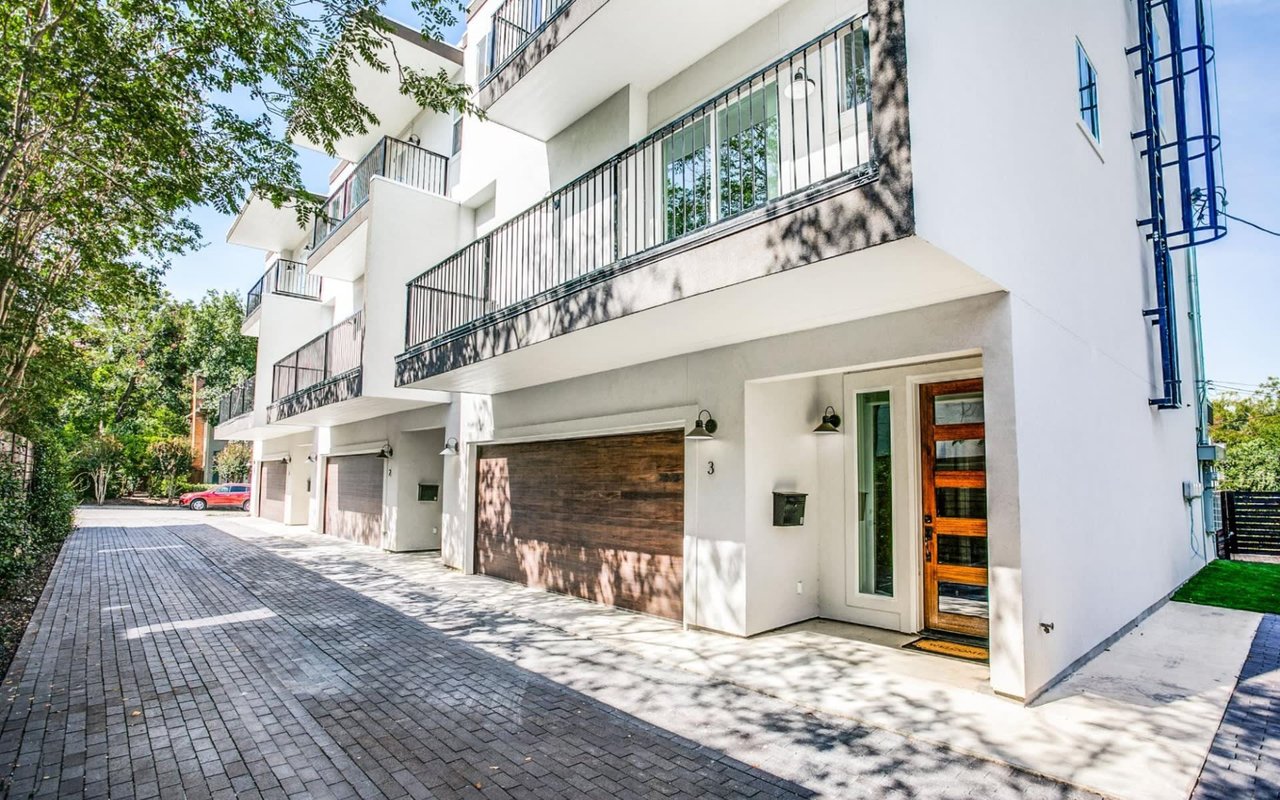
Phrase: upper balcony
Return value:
(338, 237)
(235, 411)
(379, 90)
(782, 203)
(326, 370)
(285, 278)
(546, 63)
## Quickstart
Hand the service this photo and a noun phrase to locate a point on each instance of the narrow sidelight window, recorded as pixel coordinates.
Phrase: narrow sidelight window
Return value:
(875, 495)
(1088, 92)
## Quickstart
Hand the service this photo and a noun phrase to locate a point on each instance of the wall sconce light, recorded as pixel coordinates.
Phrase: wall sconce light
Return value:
(311, 458)
(801, 86)
(703, 429)
(385, 452)
(830, 422)
(450, 447)
(286, 461)
(414, 139)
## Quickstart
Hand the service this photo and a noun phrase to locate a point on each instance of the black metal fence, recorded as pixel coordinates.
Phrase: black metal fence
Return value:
(1251, 523)
(237, 402)
(515, 23)
(335, 352)
(392, 159)
(253, 300)
(798, 123)
(19, 452)
(292, 280)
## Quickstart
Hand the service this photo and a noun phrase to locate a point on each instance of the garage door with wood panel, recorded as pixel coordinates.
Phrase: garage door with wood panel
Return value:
(599, 518)
(353, 498)
(272, 478)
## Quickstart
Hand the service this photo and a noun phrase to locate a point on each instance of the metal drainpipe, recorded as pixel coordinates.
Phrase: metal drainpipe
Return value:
(1207, 470)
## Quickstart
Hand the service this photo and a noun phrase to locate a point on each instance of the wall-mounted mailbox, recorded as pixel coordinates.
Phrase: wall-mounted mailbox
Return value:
(788, 509)
(428, 492)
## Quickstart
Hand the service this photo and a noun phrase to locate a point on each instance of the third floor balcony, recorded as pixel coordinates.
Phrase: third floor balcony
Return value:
(545, 63)
(284, 278)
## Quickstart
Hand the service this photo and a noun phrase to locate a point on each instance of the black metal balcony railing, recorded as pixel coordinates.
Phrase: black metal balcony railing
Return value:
(253, 300)
(515, 23)
(392, 159)
(288, 278)
(799, 123)
(291, 279)
(237, 402)
(333, 353)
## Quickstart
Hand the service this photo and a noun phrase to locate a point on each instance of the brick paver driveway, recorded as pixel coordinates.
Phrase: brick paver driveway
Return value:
(181, 661)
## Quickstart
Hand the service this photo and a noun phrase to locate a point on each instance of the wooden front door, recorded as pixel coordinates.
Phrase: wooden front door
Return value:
(599, 518)
(954, 513)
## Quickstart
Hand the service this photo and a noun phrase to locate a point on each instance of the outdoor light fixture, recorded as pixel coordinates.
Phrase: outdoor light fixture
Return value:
(414, 139)
(286, 460)
(311, 458)
(385, 452)
(703, 429)
(450, 447)
(830, 422)
(801, 86)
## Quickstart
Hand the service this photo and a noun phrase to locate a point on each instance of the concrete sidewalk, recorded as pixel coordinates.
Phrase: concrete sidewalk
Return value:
(1136, 722)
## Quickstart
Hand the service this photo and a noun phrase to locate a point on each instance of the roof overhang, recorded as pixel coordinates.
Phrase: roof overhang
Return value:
(264, 227)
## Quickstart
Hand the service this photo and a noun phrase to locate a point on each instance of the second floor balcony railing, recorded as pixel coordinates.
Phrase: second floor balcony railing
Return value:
(799, 123)
(390, 158)
(515, 23)
(237, 402)
(253, 300)
(334, 353)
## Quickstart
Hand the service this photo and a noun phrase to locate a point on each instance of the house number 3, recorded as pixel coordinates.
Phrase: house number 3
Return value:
(711, 468)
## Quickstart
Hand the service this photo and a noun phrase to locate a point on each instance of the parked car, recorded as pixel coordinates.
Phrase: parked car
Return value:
(228, 495)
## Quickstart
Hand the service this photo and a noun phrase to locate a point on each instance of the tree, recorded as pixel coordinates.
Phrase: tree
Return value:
(170, 457)
(234, 462)
(97, 459)
(114, 123)
(213, 345)
(1249, 426)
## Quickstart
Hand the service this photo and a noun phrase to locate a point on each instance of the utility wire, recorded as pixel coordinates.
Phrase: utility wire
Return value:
(1251, 224)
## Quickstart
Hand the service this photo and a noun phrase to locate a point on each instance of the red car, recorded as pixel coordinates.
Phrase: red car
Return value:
(228, 495)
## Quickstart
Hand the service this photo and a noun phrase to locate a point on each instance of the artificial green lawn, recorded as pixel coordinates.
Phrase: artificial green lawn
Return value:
(1235, 584)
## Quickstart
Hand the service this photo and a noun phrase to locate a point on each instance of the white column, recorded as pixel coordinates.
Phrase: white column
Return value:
(470, 420)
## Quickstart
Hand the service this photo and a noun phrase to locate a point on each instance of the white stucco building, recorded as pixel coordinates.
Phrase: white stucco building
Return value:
(930, 220)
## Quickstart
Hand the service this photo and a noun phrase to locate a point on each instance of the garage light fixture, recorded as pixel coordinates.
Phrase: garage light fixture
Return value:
(385, 452)
(830, 422)
(703, 429)
(286, 460)
(450, 447)
(311, 458)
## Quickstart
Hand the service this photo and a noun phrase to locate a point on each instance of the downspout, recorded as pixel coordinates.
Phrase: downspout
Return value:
(1207, 453)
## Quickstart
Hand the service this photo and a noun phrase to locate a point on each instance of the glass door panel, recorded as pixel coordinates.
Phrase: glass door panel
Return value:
(875, 495)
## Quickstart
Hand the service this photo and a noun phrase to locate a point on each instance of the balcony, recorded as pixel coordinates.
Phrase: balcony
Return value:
(237, 402)
(537, 48)
(402, 162)
(286, 279)
(325, 370)
(792, 128)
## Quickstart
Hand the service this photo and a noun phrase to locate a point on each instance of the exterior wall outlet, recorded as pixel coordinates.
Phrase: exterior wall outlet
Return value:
(799, 587)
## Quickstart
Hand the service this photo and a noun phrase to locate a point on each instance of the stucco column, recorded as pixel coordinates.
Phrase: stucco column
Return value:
(470, 420)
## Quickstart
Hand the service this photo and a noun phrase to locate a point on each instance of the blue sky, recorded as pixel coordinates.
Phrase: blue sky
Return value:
(1239, 276)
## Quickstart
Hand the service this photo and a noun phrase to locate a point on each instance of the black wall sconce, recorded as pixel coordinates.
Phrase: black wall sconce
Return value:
(286, 461)
(450, 447)
(703, 429)
(311, 458)
(830, 422)
(385, 452)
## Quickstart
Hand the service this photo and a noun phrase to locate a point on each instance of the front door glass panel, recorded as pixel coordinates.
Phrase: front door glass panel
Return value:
(875, 495)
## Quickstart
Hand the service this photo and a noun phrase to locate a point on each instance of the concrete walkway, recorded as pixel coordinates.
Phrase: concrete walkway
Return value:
(170, 659)
(1137, 722)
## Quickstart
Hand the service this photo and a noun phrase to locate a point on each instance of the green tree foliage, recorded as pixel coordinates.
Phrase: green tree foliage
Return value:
(213, 346)
(97, 461)
(1249, 426)
(171, 457)
(234, 462)
(114, 123)
(34, 522)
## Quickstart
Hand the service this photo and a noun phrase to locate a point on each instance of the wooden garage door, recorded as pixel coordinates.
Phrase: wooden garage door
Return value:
(271, 494)
(601, 519)
(353, 498)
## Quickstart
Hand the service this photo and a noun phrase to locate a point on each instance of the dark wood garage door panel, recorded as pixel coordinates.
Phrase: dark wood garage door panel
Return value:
(271, 499)
(601, 519)
(353, 498)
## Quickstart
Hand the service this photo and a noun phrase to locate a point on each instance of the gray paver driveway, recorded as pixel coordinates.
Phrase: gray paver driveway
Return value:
(181, 661)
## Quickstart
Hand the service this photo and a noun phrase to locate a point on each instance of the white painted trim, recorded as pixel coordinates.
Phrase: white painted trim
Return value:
(358, 448)
(1094, 143)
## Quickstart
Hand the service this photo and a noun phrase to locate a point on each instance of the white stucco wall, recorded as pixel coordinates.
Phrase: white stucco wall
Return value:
(1008, 182)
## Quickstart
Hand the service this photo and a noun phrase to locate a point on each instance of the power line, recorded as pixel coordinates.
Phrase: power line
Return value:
(1251, 224)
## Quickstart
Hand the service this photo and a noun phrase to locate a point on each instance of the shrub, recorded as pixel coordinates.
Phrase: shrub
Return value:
(14, 529)
(234, 462)
(52, 501)
(170, 457)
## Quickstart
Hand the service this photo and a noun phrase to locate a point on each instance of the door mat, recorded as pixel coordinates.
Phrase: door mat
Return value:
(945, 647)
